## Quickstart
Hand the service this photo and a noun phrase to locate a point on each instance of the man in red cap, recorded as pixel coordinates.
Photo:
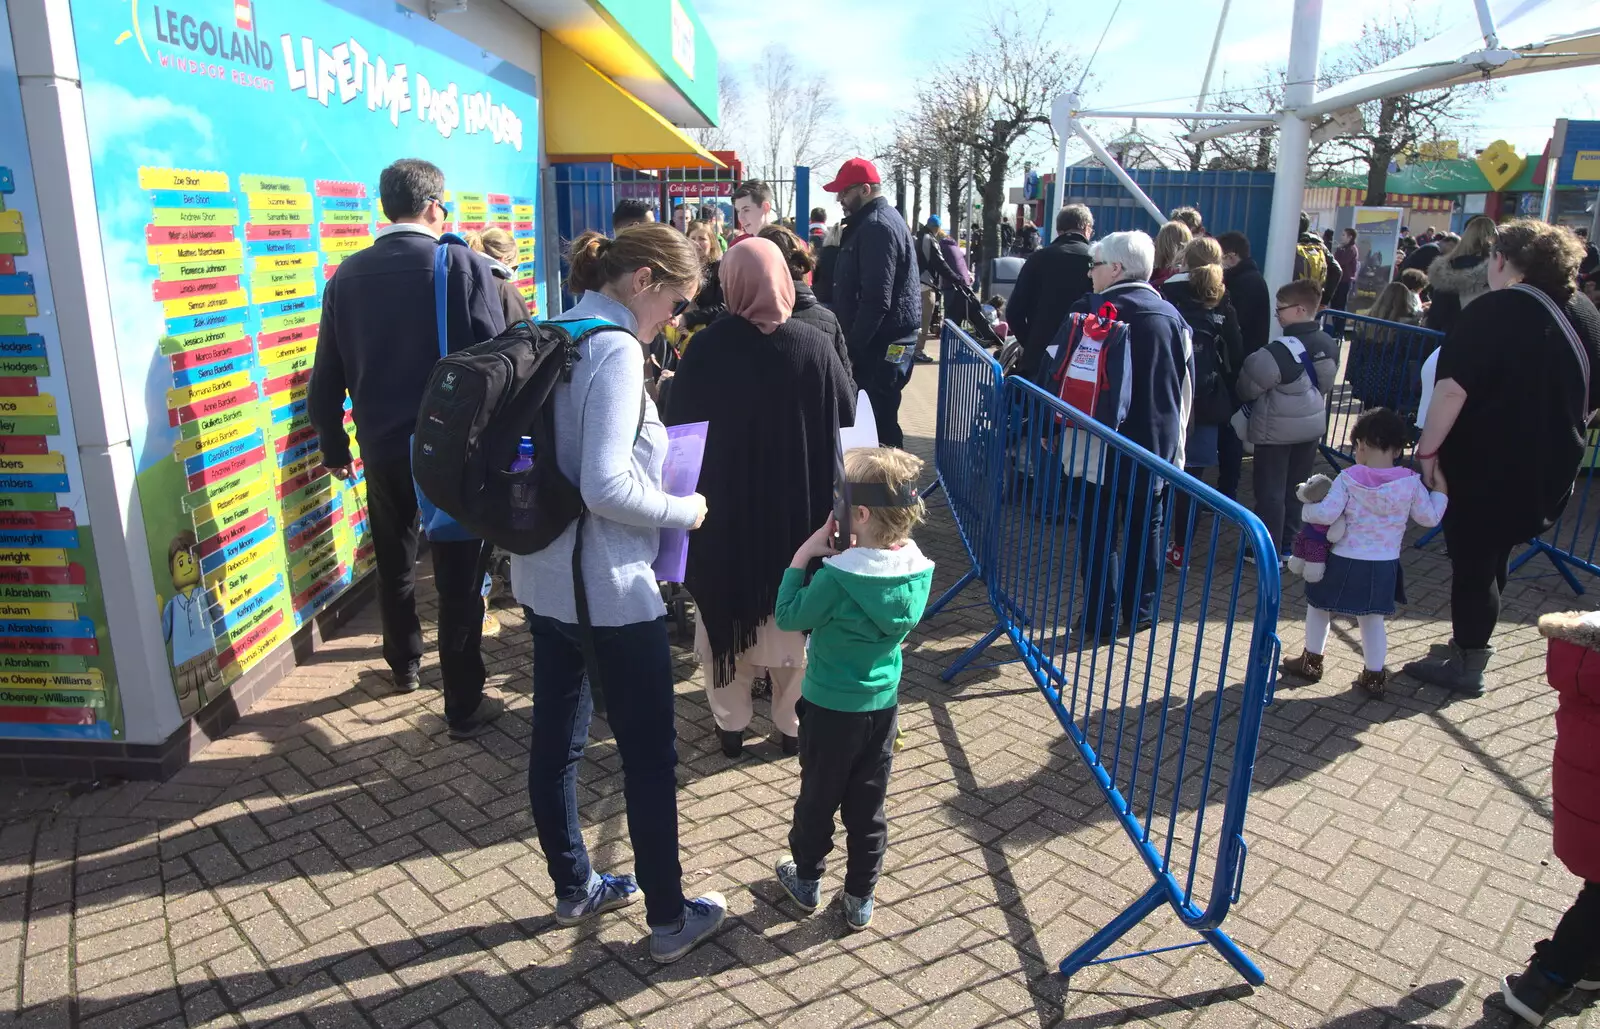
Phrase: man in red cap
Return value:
(875, 293)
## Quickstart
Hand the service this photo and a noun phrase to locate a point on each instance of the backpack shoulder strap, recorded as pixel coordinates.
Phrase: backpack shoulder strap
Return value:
(441, 296)
(579, 329)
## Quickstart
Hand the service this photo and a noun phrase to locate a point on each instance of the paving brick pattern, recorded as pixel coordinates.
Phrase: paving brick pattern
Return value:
(336, 861)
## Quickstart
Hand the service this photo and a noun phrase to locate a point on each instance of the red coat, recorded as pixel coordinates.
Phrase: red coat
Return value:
(1574, 671)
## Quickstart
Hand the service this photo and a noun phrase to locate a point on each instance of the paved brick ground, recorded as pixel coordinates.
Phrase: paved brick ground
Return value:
(336, 861)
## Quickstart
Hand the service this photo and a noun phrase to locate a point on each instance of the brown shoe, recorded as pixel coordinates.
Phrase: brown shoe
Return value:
(1374, 683)
(1307, 666)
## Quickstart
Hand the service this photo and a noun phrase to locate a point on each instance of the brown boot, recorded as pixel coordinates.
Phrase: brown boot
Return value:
(1374, 683)
(1307, 666)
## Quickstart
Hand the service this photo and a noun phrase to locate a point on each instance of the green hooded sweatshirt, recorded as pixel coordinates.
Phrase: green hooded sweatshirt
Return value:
(858, 608)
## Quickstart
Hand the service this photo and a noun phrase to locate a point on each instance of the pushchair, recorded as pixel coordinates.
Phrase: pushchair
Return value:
(967, 308)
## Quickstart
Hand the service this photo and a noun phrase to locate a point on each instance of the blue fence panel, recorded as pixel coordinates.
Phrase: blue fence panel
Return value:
(965, 438)
(1380, 365)
(1227, 200)
(1573, 542)
(1158, 674)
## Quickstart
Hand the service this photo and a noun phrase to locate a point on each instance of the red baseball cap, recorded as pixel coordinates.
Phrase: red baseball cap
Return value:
(854, 172)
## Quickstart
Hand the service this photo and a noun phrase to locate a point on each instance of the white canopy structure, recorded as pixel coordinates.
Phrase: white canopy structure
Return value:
(1489, 38)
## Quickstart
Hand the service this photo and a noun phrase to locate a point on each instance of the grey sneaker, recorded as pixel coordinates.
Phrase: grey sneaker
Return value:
(701, 917)
(806, 893)
(408, 681)
(478, 723)
(857, 912)
(606, 893)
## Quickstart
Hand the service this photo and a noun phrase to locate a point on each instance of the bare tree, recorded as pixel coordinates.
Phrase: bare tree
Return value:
(1255, 150)
(1398, 124)
(797, 109)
(1000, 94)
(729, 130)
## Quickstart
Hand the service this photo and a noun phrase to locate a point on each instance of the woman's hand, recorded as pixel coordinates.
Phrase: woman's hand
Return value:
(699, 502)
(1429, 468)
(818, 544)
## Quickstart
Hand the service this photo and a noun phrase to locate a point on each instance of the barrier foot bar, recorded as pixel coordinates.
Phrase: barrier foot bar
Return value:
(950, 594)
(1428, 537)
(1089, 953)
(960, 664)
(1561, 561)
(938, 484)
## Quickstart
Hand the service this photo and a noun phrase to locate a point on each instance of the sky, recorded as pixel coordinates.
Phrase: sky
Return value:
(1155, 50)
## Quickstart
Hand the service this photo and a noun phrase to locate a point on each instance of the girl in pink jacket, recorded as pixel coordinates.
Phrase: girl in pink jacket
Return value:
(1363, 578)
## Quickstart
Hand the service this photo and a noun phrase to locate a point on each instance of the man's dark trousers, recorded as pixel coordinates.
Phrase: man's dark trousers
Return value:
(392, 516)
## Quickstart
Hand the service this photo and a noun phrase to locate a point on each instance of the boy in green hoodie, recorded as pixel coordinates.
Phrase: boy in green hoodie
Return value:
(859, 608)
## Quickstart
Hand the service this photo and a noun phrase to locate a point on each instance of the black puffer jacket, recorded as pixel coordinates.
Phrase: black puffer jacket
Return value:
(808, 309)
(876, 295)
(1456, 282)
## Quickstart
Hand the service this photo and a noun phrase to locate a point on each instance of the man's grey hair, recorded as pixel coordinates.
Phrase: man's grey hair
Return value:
(405, 187)
(1135, 251)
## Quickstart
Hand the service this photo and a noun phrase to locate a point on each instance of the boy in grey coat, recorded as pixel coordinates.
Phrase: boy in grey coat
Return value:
(1285, 383)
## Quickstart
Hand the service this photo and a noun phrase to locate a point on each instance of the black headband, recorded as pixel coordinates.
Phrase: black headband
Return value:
(878, 494)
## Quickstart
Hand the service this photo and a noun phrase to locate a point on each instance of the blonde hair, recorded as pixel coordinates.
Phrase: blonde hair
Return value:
(1393, 304)
(596, 261)
(498, 244)
(1477, 239)
(708, 229)
(895, 469)
(473, 238)
(1203, 258)
(1170, 241)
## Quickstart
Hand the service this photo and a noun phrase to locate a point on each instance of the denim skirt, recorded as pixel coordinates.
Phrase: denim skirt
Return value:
(1354, 587)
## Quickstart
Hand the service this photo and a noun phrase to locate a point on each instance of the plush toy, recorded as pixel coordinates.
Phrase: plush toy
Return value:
(1308, 556)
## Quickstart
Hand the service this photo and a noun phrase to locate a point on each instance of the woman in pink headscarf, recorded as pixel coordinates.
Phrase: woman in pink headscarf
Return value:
(775, 393)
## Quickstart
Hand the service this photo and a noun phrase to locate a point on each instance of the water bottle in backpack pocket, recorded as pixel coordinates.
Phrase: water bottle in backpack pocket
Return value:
(524, 507)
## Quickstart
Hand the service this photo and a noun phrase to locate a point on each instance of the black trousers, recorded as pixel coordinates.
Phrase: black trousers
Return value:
(392, 514)
(883, 387)
(1119, 543)
(844, 767)
(1478, 571)
(1279, 469)
(1573, 953)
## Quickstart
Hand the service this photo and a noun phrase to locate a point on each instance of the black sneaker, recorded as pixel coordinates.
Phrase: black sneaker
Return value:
(732, 743)
(408, 681)
(791, 745)
(478, 723)
(1532, 994)
(1591, 977)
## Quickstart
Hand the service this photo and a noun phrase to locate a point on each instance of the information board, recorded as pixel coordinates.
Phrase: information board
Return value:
(57, 679)
(236, 149)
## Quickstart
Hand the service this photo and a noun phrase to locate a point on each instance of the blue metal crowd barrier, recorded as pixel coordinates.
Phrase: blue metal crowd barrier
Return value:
(1573, 542)
(1380, 366)
(969, 402)
(1157, 673)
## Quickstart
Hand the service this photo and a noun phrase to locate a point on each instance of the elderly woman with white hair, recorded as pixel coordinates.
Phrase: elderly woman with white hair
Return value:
(1146, 397)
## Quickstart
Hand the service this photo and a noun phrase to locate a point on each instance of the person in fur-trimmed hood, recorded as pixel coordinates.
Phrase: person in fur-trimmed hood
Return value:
(1571, 957)
(1461, 276)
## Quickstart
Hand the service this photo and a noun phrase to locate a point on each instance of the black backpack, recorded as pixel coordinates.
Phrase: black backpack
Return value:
(1213, 395)
(478, 404)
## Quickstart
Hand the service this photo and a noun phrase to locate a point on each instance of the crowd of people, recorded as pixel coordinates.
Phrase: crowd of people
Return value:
(768, 337)
(674, 323)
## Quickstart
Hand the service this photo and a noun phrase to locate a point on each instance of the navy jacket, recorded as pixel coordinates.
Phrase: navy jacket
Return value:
(876, 292)
(378, 340)
(1051, 281)
(1247, 288)
(1162, 366)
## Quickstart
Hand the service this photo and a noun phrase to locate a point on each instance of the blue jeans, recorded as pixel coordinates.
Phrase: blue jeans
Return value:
(636, 670)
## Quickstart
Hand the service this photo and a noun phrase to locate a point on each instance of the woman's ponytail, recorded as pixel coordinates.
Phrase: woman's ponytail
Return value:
(586, 260)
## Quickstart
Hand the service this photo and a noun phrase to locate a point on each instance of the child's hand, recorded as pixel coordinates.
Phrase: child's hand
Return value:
(818, 544)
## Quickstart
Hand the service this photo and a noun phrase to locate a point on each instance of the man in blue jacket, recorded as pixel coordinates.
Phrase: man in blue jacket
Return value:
(1149, 393)
(378, 342)
(875, 293)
